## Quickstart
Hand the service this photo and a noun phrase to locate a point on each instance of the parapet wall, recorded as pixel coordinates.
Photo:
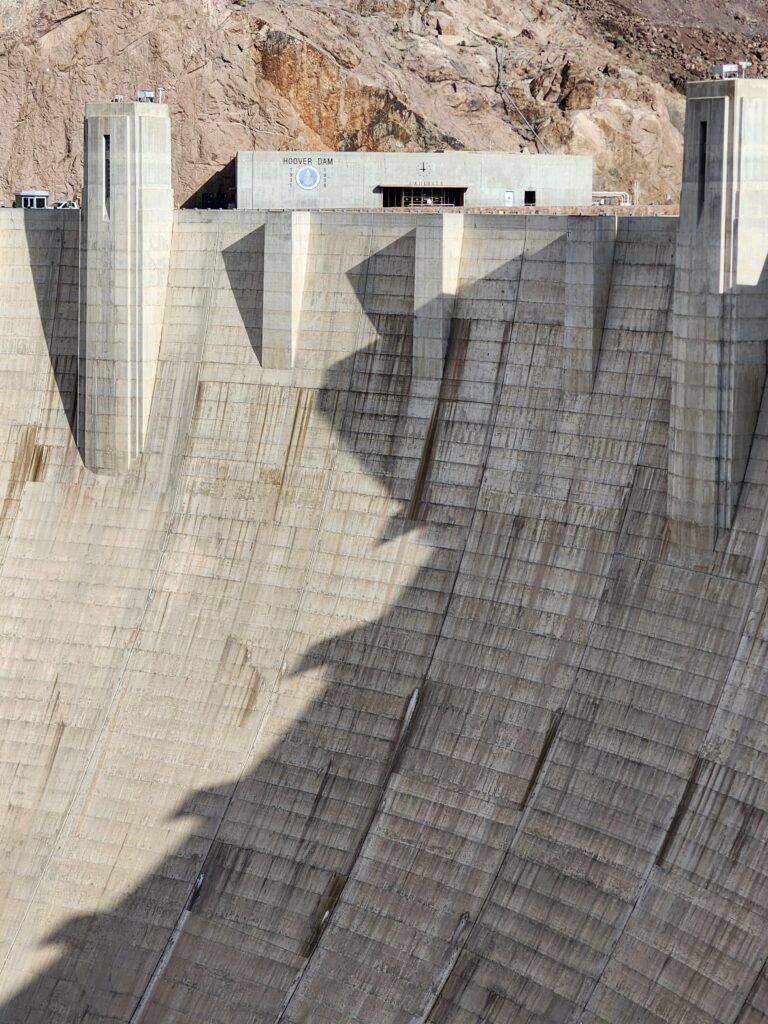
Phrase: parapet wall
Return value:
(374, 692)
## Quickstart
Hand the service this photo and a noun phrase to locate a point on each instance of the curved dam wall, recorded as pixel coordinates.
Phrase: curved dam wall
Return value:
(363, 696)
(383, 686)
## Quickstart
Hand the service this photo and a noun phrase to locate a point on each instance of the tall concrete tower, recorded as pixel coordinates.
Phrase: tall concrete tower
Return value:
(721, 304)
(125, 255)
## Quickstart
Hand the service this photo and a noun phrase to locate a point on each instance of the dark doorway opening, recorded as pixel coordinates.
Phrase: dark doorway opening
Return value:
(530, 197)
(418, 195)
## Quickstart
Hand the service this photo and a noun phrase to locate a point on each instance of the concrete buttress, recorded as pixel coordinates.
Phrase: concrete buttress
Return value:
(436, 276)
(286, 246)
(590, 247)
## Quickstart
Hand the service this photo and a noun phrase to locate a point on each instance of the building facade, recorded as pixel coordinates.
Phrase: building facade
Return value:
(307, 181)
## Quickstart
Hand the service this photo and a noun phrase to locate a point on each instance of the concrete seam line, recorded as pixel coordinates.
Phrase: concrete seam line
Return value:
(167, 951)
(466, 925)
(310, 568)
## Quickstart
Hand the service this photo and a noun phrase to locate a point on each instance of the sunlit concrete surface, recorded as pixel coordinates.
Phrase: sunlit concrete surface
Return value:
(312, 181)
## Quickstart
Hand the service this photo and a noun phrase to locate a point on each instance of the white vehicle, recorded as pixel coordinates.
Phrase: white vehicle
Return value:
(67, 204)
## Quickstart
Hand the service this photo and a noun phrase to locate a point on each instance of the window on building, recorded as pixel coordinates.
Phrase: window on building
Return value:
(394, 196)
(32, 202)
(529, 197)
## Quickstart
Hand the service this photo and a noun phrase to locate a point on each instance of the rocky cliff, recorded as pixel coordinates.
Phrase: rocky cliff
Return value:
(362, 74)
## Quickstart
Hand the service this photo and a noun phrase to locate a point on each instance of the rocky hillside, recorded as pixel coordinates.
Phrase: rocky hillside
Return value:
(576, 76)
(679, 40)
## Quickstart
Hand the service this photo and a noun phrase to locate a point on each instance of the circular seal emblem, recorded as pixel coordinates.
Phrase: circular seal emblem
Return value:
(307, 178)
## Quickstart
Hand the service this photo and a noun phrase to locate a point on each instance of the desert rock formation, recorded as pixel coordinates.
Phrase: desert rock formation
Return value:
(362, 74)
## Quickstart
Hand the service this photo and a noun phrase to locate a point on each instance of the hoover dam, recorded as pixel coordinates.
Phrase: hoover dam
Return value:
(385, 605)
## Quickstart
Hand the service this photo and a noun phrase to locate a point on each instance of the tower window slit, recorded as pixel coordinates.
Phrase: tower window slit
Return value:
(107, 176)
(702, 175)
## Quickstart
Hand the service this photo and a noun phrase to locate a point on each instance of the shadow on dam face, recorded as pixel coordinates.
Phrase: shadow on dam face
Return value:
(244, 263)
(54, 265)
(53, 260)
(401, 728)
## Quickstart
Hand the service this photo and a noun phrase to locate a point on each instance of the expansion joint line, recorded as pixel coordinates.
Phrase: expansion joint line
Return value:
(310, 567)
(531, 796)
(644, 883)
(175, 935)
(465, 935)
(609, 299)
(465, 928)
(609, 576)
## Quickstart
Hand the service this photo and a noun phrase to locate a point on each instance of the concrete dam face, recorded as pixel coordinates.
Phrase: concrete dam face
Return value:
(383, 632)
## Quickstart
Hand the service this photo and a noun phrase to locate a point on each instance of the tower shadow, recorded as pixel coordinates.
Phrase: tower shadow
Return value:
(53, 240)
(244, 263)
(219, 192)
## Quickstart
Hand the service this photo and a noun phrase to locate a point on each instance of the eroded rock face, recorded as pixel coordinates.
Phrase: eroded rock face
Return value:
(356, 74)
(570, 87)
(676, 41)
(579, 90)
(342, 111)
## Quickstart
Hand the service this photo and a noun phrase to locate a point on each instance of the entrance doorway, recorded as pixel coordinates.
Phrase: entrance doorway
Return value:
(418, 195)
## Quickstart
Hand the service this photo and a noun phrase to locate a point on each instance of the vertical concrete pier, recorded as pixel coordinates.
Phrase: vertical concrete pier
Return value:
(286, 248)
(590, 247)
(124, 261)
(721, 303)
(436, 274)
